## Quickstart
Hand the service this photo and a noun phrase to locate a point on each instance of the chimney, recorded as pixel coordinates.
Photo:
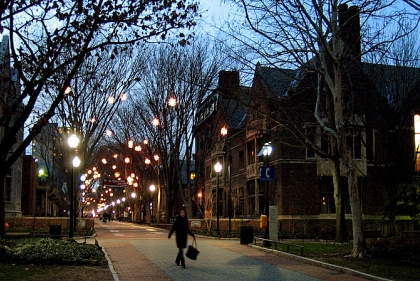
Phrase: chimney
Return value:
(349, 22)
(229, 83)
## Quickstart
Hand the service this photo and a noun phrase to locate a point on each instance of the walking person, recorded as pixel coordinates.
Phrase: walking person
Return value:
(181, 227)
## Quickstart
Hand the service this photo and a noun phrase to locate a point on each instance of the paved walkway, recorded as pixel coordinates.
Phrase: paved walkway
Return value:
(137, 252)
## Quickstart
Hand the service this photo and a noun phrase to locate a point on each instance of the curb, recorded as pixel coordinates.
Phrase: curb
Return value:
(320, 264)
(110, 265)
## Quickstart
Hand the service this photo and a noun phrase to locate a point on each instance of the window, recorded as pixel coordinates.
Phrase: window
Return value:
(370, 137)
(251, 197)
(327, 196)
(241, 159)
(251, 152)
(354, 142)
(261, 197)
(325, 142)
(238, 201)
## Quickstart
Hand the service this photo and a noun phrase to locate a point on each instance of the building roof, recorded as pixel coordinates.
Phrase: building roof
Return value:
(393, 82)
(277, 80)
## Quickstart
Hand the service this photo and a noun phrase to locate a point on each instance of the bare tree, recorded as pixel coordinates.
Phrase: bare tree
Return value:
(55, 38)
(181, 74)
(205, 207)
(99, 89)
(237, 195)
(310, 36)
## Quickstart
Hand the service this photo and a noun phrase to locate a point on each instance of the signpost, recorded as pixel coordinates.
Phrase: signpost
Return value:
(267, 173)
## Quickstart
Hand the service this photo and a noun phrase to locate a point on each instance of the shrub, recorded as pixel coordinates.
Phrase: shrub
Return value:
(396, 248)
(50, 251)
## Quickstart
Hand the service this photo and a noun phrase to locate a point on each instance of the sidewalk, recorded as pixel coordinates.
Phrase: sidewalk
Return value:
(137, 252)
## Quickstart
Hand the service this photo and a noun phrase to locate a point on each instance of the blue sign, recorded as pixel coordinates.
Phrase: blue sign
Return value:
(267, 173)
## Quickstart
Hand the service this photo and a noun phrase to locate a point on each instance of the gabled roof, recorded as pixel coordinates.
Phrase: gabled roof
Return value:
(391, 80)
(277, 80)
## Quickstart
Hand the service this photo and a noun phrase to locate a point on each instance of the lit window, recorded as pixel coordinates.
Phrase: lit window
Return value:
(417, 140)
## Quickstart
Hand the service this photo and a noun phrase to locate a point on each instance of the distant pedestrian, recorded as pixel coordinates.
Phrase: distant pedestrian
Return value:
(181, 227)
(105, 217)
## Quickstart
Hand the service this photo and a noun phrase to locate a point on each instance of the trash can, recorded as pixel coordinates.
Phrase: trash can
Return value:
(55, 231)
(246, 234)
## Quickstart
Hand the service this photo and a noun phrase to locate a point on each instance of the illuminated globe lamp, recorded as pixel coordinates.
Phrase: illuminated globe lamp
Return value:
(217, 168)
(73, 142)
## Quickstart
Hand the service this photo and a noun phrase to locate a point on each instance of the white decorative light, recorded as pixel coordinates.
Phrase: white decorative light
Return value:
(76, 162)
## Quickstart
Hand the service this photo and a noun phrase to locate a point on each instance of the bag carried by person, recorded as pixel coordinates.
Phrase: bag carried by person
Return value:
(192, 251)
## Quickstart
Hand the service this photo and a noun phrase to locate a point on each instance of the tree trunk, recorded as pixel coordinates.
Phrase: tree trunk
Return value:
(346, 156)
(340, 222)
(358, 239)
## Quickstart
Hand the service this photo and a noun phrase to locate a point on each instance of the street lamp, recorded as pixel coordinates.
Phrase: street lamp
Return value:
(156, 157)
(152, 189)
(133, 197)
(223, 133)
(76, 163)
(73, 142)
(147, 161)
(217, 168)
(266, 151)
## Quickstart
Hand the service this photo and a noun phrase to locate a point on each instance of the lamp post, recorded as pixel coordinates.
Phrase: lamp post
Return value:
(73, 142)
(133, 197)
(147, 161)
(224, 132)
(266, 152)
(217, 168)
(76, 164)
(156, 157)
(152, 190)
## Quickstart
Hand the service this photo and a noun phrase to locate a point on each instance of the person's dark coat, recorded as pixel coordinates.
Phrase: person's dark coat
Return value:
(181, 228)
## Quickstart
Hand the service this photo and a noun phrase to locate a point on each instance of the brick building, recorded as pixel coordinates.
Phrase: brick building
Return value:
(303, 188)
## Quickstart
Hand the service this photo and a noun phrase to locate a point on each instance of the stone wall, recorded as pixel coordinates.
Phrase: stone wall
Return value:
(39, 224)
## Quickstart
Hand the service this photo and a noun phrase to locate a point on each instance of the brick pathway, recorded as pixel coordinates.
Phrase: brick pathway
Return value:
(139, 252)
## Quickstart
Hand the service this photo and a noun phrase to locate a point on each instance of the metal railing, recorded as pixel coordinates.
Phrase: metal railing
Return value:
(269, 244)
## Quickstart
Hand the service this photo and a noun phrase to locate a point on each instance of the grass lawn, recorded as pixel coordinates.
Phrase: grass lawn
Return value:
(336, 254)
